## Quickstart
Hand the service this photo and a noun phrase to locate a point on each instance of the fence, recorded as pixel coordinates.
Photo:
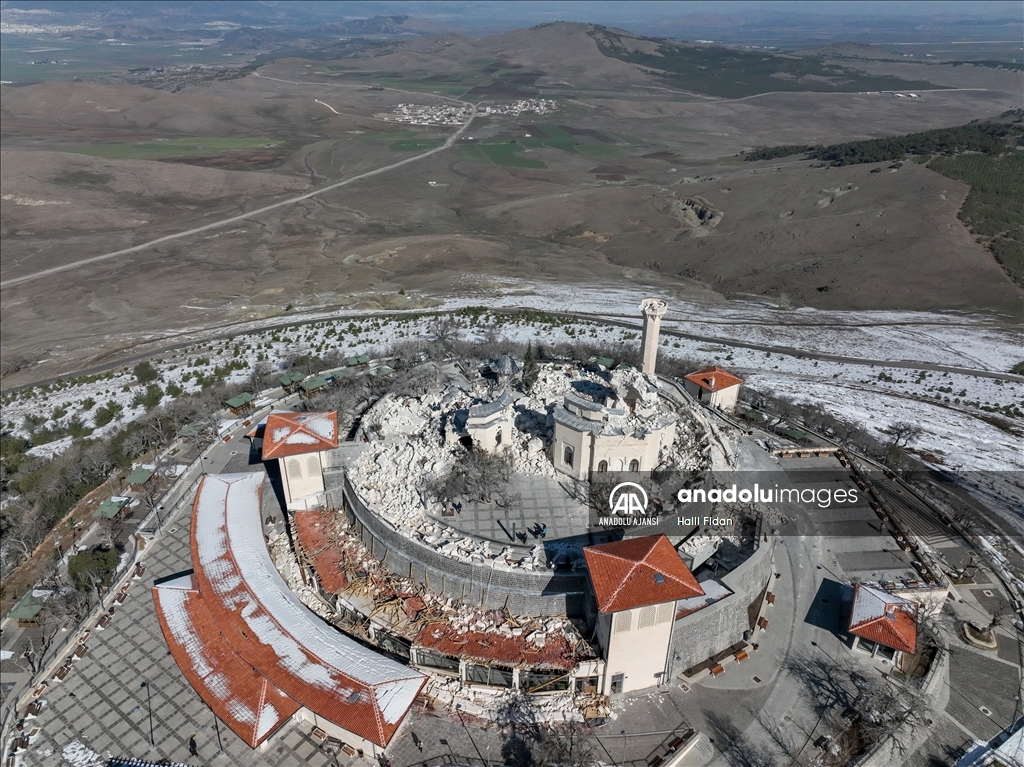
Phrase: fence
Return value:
(519, 592)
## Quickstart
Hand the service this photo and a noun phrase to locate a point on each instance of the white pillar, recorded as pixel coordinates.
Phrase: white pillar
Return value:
(652, 309)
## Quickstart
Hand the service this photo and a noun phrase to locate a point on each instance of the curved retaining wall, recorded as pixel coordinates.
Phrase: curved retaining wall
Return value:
(520, 592)
(702, 634)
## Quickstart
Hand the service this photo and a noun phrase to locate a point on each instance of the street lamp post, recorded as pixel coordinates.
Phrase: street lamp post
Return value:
(149, 701)
(625, 738)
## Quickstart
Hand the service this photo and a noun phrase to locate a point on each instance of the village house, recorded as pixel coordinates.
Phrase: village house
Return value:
(714, 387)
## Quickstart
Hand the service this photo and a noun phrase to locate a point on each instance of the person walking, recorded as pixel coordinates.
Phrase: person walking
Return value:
(193, 747)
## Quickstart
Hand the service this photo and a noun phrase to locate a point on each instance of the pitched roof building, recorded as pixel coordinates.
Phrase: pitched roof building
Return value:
(638, 583)
(636, 572)
(237, 615)
(714, 378)
(884, 618)
(290, 433)
(714, 386)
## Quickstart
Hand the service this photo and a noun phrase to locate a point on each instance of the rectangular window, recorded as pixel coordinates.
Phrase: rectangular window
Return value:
(436, 660)
(665, 612)
(498, 676)
(617, 682)
(477, 674)
(623, 621)
(647, 616)
(501, 676)
(586, 684)
(543, 681)
(865, 645)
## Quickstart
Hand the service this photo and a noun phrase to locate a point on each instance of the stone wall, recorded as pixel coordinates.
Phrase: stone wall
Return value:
(520, 592)
(702, 634)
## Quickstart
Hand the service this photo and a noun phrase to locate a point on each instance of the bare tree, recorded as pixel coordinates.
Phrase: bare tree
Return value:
(444, 327)
(890, 712)
(903, 433)
(64, 608)
(476, 475)
(567, 745)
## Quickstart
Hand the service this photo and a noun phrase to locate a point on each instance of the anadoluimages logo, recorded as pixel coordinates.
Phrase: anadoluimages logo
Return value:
(628, 499)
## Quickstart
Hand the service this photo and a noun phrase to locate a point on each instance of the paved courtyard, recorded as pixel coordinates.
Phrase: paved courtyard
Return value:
(542, 501)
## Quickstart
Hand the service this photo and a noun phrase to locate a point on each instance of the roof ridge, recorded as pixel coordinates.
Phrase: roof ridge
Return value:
(622, 583)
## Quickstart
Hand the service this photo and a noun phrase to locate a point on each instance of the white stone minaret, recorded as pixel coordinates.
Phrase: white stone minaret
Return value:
(653, 309)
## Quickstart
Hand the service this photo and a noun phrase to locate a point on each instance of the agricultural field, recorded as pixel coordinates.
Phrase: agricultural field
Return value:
(415, 144)
(505, 148)
(175, 148)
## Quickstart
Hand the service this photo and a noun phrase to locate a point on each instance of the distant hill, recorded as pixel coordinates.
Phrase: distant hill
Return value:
(738, 73)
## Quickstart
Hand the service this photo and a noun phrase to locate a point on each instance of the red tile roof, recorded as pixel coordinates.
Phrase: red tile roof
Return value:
(294, 433)
(714, 378)
(326, 557)
(491, 647)
(239, 695)
(313, 663)
(637, 572)
(883, 617)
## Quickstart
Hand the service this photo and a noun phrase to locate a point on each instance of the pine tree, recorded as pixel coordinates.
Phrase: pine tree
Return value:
(530, 368)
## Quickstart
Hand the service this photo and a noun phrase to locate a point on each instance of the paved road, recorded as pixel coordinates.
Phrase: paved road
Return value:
(230, 331)
(242, 216)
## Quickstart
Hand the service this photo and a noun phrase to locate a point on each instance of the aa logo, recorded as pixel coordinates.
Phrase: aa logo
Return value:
(628, 499)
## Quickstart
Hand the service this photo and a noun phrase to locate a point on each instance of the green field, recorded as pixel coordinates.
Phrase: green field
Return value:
(167, 149)
(504, 149)
(505, 154)
(601, 151)
(391, 137)
(415, 144)
(472, 153)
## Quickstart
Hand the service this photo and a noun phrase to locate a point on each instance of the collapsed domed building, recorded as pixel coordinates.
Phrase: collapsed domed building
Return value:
(457, 532)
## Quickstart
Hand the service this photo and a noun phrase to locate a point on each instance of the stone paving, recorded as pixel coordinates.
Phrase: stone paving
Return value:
(543, 501)
(103, 709)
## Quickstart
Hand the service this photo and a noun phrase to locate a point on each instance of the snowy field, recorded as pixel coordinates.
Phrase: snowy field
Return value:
(949, 406)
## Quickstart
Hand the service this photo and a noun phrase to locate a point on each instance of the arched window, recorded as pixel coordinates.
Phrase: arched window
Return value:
(634, 465)
(567, 455)
(294, 468)
(497, 438)
(602, 466)
(312, 466)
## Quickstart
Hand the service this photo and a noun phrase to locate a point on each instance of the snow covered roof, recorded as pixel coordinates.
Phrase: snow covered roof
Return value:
(571, 398)
(240, 696)
(293, 433)
(576, 423)
(714, 378)
(313, 663)
(883, 617)
(487, 409)
(713, 591)
(637, 572)
(504, 365)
